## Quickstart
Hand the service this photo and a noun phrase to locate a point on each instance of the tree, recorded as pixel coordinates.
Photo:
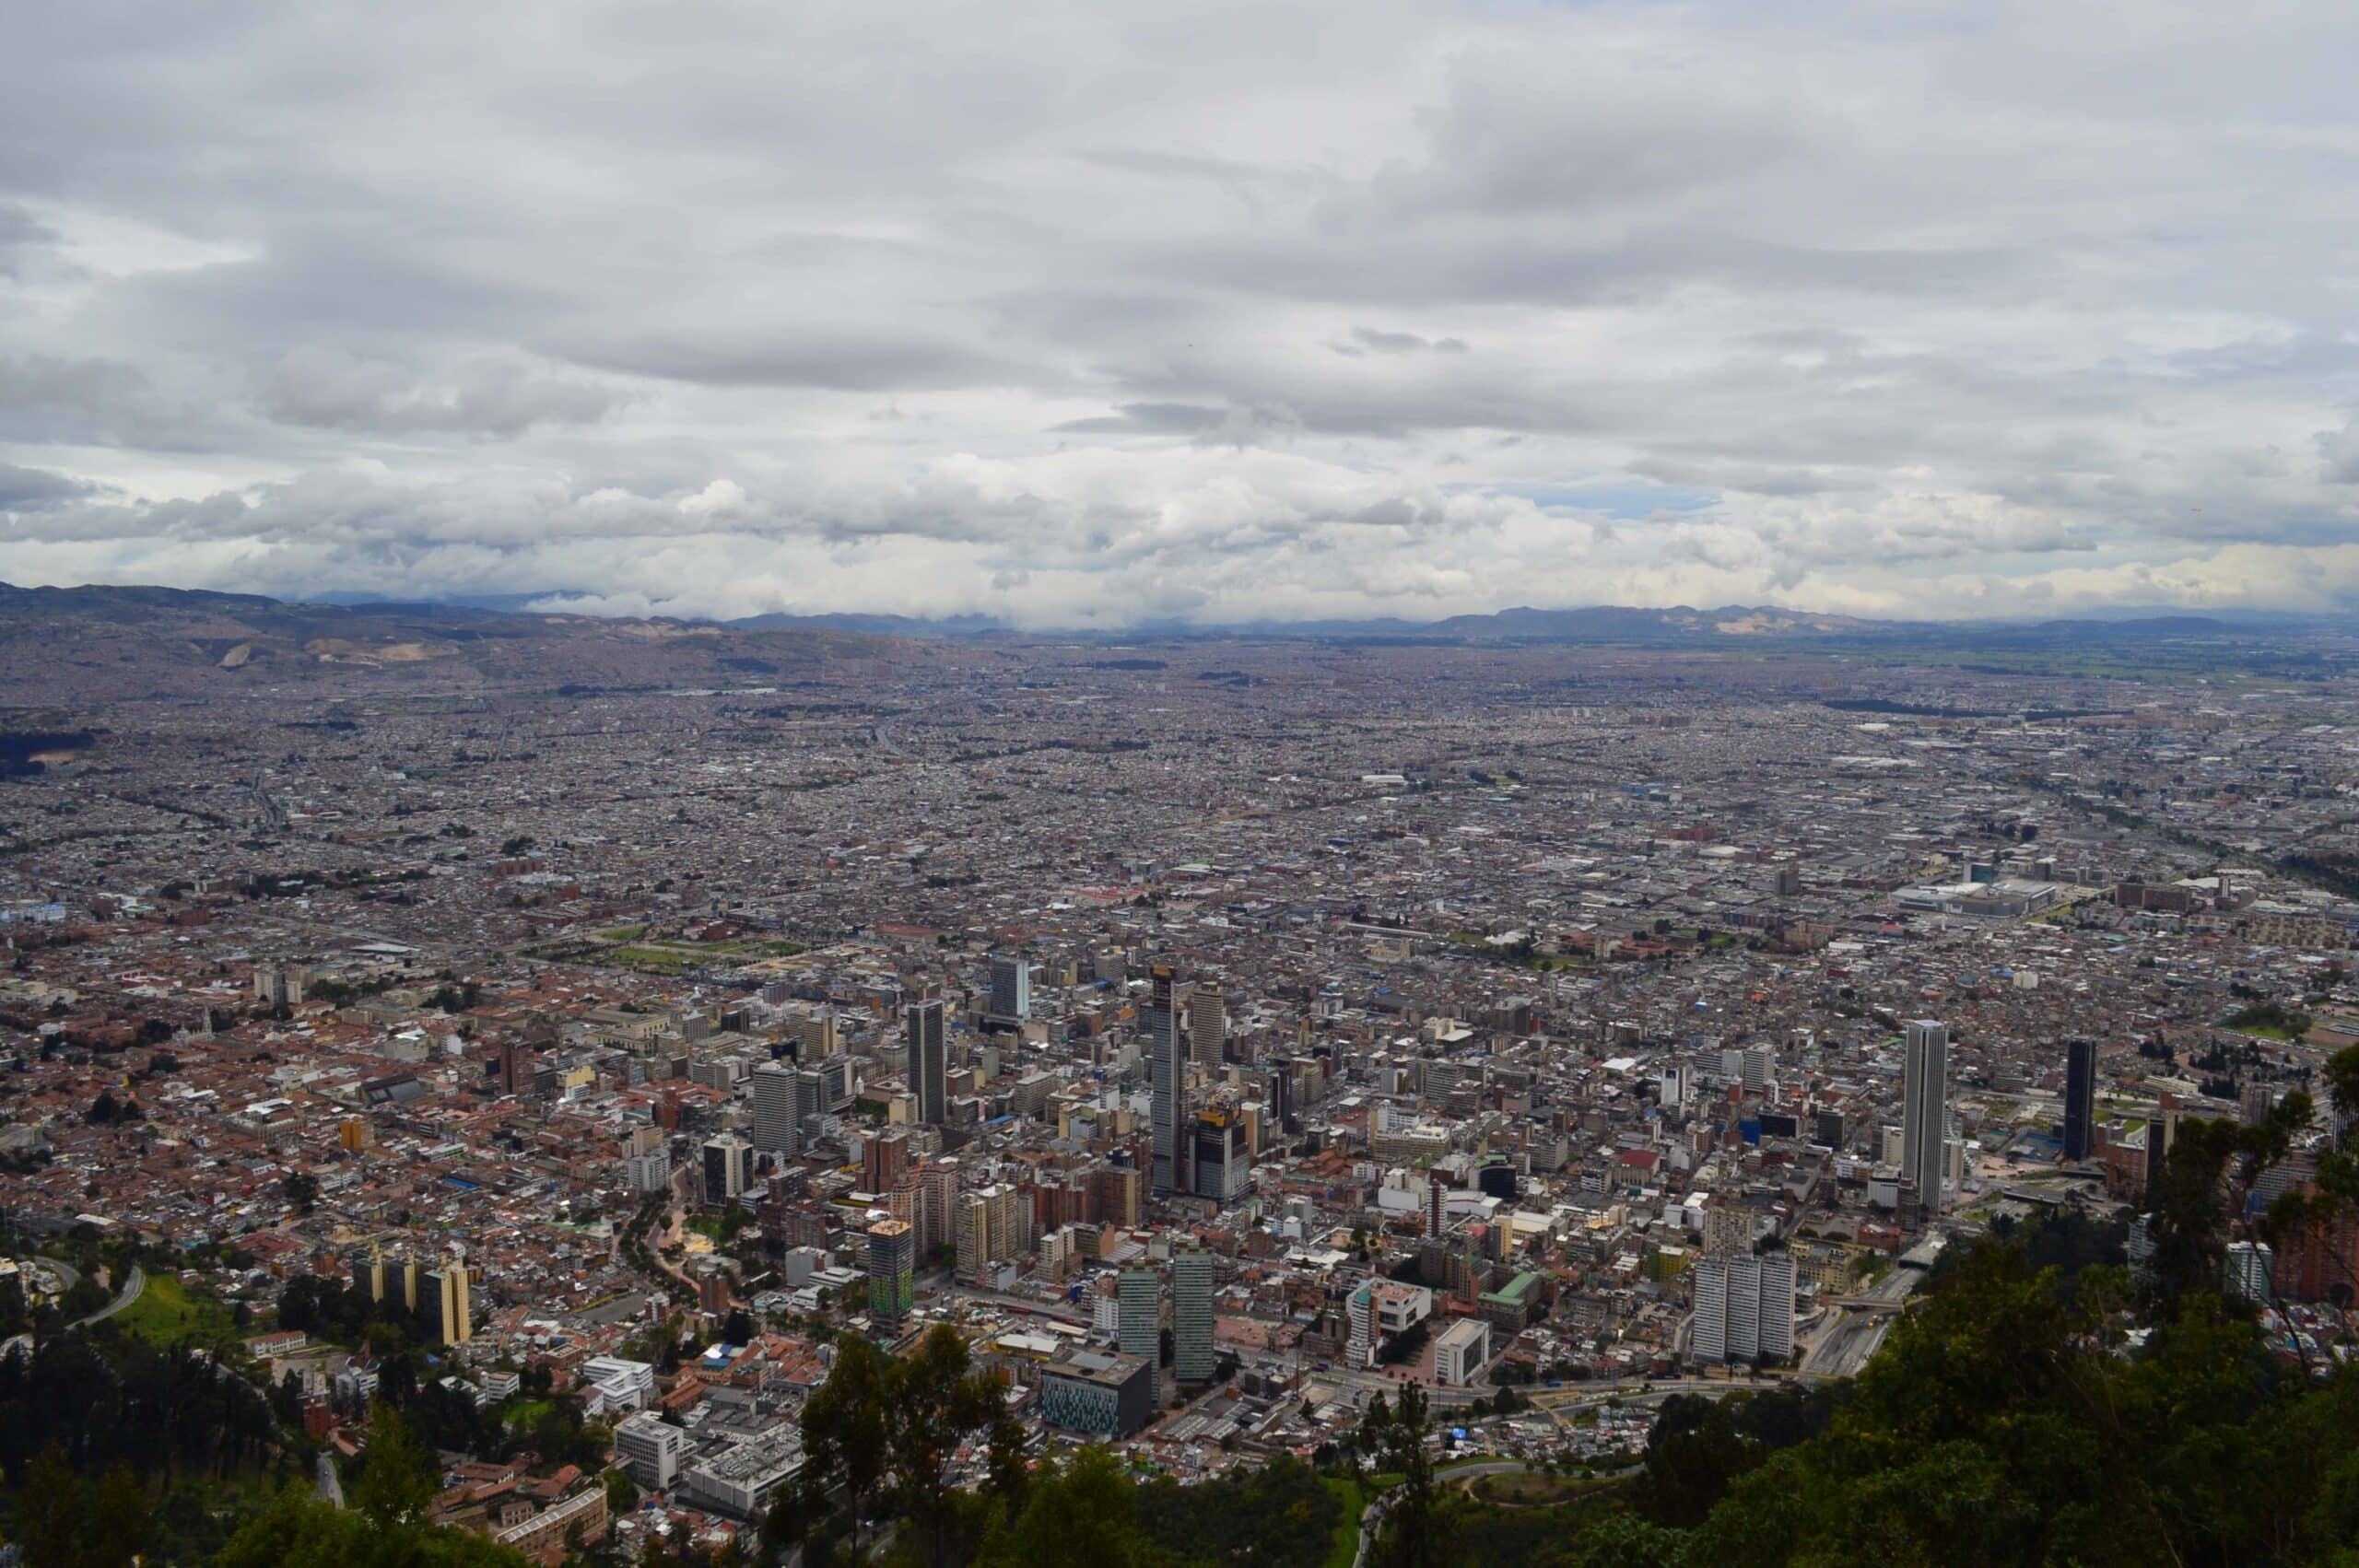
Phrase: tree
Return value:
(843, 1428)
(1083, 1514)
(1409, 1538)
(117, 1531)
(297, 1530)
(49, 1511)
(397, 1481)
(933, 1403)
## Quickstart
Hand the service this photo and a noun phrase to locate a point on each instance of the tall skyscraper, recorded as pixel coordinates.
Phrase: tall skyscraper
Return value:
(774, 1125)
(1011, 987)
(1208, 1025)
(1168, 1084)
(1925, 1111)
(1191, 1315)
(1139, 1296)
(892, 1269)
(2080, 1099)
(930, 1062)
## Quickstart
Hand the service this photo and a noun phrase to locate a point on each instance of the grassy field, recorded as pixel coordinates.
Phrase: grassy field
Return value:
(167, 1312)
(653, 957)
(1346, 1544)
(525, 1412)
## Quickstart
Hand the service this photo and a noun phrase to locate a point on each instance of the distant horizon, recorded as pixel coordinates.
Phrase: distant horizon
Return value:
(569, 602)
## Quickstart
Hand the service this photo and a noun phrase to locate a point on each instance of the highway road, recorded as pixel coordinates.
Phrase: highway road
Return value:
(1854, 1338)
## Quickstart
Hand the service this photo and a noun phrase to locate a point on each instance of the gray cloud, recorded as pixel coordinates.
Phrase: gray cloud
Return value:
(498, 397)
(1221, 308)
(28, 489)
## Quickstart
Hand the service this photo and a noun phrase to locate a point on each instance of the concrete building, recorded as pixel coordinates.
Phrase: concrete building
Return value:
(775, 1132)
(728, 1168)
(1743, 1307)
(650, 1449)
(1208, 1025)
(1462, 1351)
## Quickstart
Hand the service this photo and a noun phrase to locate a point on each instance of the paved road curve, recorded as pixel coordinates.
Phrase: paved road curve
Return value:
(131, 1289)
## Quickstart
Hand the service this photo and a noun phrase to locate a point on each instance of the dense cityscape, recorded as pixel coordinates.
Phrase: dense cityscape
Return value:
(581, 1071)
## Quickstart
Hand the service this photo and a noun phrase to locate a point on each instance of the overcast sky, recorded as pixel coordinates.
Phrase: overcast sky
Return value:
(1087, 314)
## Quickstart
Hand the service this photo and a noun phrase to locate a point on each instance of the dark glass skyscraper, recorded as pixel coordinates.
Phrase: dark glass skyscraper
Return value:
(2080, 1099)
(1167, 1083)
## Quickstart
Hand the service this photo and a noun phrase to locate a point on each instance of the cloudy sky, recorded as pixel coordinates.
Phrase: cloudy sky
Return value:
(1084, 314)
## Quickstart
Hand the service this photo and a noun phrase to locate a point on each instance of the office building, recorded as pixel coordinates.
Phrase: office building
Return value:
(728, 1168)
(649, 1448)
(1167, 1083)
(1222, 1165)
(1208, 1025)
(892, 1269)
(774, 1124)
(929, 1060)
(810, 1104)
(1106, 1397)
(2080, 1099)
(1462, 1351)
(1011, 987)
(1139, 1298)
(1925, 1112)
(1191, 1315)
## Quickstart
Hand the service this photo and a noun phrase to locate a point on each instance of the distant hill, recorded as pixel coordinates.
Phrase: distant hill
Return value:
(66, 645)
(69, 644)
